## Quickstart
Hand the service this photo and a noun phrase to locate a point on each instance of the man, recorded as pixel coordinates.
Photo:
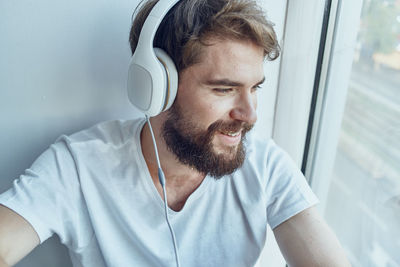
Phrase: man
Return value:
(99, 191)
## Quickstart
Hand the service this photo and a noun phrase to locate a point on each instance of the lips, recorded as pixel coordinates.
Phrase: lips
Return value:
(229, 138)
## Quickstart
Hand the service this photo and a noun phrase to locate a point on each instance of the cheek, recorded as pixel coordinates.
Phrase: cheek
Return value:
(204, 109)
(220, 110)
(206, 112)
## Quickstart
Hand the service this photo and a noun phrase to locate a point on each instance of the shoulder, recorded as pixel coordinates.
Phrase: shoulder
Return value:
(256, 165)
(115, 132)
(267, 163)
(264, 152)
(266, 171)
(97, 144)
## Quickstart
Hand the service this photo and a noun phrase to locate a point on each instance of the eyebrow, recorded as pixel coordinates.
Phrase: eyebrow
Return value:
(227, 82)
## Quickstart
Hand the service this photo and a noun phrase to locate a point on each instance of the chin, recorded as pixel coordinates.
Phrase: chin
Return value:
(228, 152)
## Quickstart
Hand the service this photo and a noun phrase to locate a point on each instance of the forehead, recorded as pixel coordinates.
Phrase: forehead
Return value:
(242, 60)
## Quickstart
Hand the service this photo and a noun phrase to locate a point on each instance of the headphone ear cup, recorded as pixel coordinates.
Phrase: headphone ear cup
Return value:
(171, 85)
(152, 81)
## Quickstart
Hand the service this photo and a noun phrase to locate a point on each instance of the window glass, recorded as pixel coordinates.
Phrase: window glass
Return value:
(363, 203)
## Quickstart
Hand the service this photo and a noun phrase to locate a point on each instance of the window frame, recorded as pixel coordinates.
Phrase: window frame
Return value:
(332, 93)
(300, 48)
(294, 94)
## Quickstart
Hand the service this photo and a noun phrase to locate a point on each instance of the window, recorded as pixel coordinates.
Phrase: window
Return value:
(354, 152)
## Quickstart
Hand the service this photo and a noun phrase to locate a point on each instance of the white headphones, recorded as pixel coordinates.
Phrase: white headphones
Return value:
(152, 75)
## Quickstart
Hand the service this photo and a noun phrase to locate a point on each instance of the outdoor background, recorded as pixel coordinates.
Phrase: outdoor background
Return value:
(363, 204)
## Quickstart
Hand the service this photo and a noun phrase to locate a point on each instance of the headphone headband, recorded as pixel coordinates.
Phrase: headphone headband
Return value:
(152, 23)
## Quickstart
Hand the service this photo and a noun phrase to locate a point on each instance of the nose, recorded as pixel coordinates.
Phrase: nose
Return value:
(245, 108)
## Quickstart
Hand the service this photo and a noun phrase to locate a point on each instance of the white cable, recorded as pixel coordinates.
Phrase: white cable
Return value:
(154, 144)
(161, 178)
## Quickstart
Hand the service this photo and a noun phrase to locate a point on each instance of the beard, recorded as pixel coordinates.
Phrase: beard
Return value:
(193, 146)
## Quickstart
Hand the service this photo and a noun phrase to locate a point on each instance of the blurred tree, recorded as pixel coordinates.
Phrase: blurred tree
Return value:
(380, 26)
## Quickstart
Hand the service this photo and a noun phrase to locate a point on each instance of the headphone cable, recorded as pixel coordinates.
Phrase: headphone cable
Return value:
(161, 178)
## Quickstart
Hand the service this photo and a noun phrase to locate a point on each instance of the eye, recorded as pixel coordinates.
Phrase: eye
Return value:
(256, 88)
(223, 90)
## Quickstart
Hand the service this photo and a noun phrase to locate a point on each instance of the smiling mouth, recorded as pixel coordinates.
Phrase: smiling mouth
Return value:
(230, 133)
(230, 138)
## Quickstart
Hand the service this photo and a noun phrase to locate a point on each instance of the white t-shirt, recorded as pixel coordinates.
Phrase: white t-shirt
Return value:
(93, 190)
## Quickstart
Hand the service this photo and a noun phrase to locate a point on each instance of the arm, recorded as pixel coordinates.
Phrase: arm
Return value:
(17, 237)
(306, 240)
(3, 264)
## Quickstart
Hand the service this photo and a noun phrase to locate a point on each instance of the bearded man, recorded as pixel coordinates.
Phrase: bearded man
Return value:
(99, 189)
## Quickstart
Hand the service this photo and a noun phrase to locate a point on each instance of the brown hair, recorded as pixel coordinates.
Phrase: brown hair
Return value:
(188, 26)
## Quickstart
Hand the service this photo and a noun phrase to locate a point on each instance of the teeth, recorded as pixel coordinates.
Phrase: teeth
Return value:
(231, 133)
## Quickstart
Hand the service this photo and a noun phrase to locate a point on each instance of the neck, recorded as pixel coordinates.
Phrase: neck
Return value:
(181, 180)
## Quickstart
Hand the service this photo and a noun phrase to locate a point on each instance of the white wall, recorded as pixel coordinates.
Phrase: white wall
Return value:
(63, 68)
